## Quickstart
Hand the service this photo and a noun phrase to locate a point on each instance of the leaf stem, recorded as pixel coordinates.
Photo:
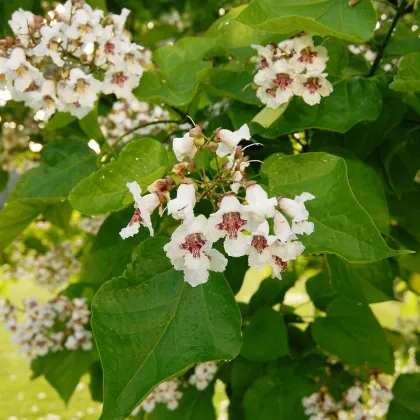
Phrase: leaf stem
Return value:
(381, 50)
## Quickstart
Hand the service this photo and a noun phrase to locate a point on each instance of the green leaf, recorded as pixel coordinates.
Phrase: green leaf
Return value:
(243, 373)
(64, 369)
(351, 332)
(142, 160)
(90, 125)
(66, 163)
(352, 101)
(408, 77)
(342, 225)
(401, 157)
(366, 136)
(234, 37)
(320, 290)
(193, 405)
(265, 338)
(363, 283)
(272, 291)
(320, 17)
(235, 272)
(156, 325)
(367, 187)
(59, 214)
(96, 386)
(405, 404)
(181, 71)
(232, 84)
(109, 255)
(59, 120)
(277, 397)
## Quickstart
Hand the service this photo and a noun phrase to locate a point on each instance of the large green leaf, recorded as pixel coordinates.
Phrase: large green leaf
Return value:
(232, 84)
(181, 71)
(321, 290)
(234, 37)
(193, 405)
(364, 283)
(401, 157)
(366, 136)
(66, 163)
(4, 178)
(149, 325)
(265, 338)
(109, 255)
(352, 101)
(321, 17)
(408, 77)
(351, 332)
(142, 160)
(278, 397)
(64, 369)
(406, 404)
(342, 225)
(367, 187)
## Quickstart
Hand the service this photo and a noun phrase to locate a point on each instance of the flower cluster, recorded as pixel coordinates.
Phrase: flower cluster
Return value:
(241, 218)
(203, 374)
(165, 393)
(126, 115)
(64, 61)
(49, 270)
(169, 393)
(91, 225)
(48, 327)
(360, 402)
(292, 67)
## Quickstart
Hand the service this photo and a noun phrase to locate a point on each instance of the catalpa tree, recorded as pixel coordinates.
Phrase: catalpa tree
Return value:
(162, 154)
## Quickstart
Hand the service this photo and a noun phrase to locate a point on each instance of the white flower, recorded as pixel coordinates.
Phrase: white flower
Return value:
(46, 99)
(190, 250)
(182, 207)
(85, 26)
(119, 20)
(258, 201)
(21, 23)
(144, 208)
(259, 246)
(287, 251)
(110, 48)
(295, 209)
(228, 222)
(63, 11)
(309, 57)
(51, 39)
(312, 86)
(184, 147)
(353, 394)
(282, 228)
(230, 139)
(283, 77)
(120, 82)
(81, 88)
(203, 374)
(20, 71)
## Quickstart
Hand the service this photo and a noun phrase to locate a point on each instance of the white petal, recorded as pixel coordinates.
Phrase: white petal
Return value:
(282, 228)
(257, 260)
(303, 227)
(135, 190)
(196, 277)
(130, 230)
(218, 261)
(236, 247)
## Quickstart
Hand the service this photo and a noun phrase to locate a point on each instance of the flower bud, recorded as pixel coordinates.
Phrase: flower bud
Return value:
(212, 146)
(199, 141)
(196, 132)
(216, 135)
(38, 21)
